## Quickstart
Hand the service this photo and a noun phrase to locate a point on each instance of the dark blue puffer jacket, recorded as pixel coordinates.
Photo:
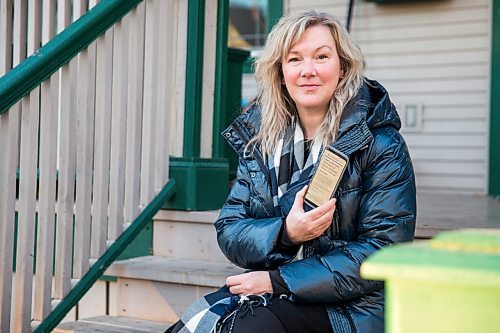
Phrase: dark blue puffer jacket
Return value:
(376, 206)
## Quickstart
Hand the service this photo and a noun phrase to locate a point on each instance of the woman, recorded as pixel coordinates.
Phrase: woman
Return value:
(312, 94)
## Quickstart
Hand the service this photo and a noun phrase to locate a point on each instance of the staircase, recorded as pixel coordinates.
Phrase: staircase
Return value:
(153, 291)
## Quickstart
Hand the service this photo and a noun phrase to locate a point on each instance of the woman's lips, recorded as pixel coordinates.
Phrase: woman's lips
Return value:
(309, 87)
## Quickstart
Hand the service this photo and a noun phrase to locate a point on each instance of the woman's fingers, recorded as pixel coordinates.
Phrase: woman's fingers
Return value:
(320, 211)
(233, 280)
(299, 198)
(256, 282)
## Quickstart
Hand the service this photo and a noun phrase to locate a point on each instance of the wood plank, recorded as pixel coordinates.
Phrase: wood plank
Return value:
(47, 180)
(9, 134)
(47, 196)
(94, 302)
(19, 321)
(436, 30)
(166, 96)
(411, 60)
(450, 168)
(7, 179)
(176, 145)
(456, 126)
(66, 167)
(439, 140)
(475, 112)
(416, 72)
(5, 36)
(451, 154)
(108, 324)
(118, 128)
(26, 211)
(66, 183)
(63, 14)
(92, 3)
(450, 44)
(374, 8)
(367, 19)
(438, 99)
(104, 89)
(209, 58)
(85, 153)
(436, 86)
(27, 183)
(469, 184)
(79, 8)
(421, 6)
(134, 114)
(150, 107)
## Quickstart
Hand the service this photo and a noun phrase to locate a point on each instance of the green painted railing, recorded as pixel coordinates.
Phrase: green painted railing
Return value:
(106, 260)
(49, 58)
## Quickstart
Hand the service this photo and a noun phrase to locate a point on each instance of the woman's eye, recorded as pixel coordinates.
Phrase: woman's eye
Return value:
(322, 57)
(294, 59)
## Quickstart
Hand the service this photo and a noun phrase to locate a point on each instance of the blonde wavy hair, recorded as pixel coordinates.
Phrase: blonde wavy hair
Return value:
(277, 107)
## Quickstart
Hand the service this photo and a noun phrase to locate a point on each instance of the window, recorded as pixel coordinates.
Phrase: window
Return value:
(248, 22)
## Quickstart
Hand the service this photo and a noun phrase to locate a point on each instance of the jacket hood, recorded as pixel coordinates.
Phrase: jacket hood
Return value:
(371, 105)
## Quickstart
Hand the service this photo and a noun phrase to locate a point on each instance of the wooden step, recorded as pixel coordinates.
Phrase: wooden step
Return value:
(174, 270)
(108, 324)
(188, 235)
(161, 288)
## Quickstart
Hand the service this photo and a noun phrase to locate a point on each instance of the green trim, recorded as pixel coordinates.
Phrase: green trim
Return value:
(274, 13)
(202, 183)
(220, 78)
(97, 270)
(248, 66)
(494, 158)
(108, 278)
(26, 76)
(141, 246)
(194, 78)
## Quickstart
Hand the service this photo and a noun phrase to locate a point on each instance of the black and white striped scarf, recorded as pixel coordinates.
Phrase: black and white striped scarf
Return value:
(288, 165)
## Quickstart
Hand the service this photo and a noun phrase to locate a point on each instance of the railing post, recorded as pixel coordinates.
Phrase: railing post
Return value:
(201, 181)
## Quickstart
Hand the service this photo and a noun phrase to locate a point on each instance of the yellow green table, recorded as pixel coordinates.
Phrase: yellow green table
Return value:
(448, 284)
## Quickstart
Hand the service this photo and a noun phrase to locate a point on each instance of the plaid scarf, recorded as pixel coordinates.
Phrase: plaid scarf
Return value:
(288, 164)
(210, 313)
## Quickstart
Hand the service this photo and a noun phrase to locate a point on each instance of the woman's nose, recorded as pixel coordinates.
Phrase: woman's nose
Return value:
(308, 68)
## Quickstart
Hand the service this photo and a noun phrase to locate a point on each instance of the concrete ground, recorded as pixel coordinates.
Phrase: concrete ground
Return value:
(437, 212)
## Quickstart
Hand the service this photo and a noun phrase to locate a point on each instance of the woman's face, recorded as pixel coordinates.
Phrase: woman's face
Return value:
(312, 70)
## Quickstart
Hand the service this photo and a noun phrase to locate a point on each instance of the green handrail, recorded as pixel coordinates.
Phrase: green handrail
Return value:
(106, 260)
(35, 69)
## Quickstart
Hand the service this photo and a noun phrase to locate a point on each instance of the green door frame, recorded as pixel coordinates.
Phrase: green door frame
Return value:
(194, 78)
(220, 78)
(494, 158)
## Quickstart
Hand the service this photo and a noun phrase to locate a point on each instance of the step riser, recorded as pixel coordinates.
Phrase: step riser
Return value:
(186, 240)
(158, 301)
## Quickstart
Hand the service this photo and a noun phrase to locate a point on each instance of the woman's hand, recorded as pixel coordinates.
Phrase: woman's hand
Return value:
(252, 283)
(302, 226)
